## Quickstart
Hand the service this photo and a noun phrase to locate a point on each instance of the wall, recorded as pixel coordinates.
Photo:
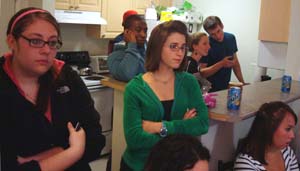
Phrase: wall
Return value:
(74, 38)
(293, 56)
(242, 19)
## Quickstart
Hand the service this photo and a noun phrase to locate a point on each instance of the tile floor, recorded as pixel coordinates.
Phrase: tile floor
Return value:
(100, 164)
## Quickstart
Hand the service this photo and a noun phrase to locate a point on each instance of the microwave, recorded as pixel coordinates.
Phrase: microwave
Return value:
(99, 64)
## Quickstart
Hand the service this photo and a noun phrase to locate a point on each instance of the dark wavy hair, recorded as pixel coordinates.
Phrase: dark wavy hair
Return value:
(176, 152)
(267, 120)
(46, 80)
(157, 40)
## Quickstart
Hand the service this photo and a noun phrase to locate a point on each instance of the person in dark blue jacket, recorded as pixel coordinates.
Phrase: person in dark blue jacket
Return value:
(120, 37)
(126, 61)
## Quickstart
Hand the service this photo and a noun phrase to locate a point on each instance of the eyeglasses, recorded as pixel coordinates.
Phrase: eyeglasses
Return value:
(39, 43)
(175, 48)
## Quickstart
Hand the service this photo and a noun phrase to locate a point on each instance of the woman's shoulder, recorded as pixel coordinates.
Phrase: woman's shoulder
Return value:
(185, 76)
(287, 151)
(244, 161)
(135, 82)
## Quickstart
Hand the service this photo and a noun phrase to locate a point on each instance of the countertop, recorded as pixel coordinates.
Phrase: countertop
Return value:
(253, 96)
(115, 84)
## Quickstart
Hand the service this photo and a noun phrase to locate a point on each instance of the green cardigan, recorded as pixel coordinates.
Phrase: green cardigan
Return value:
(140, 103)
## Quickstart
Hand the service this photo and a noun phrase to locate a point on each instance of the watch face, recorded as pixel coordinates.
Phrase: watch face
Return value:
(163, 132)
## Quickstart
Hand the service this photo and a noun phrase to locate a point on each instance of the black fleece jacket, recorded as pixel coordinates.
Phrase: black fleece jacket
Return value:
(25, 131)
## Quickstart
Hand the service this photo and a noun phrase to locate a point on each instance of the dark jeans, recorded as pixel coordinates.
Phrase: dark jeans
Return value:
(124, 166)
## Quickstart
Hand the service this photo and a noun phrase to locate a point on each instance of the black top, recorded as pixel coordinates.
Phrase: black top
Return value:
(167, 104)
(25, 131)
(192, 65)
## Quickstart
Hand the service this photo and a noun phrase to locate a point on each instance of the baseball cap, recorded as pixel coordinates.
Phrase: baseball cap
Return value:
(127, 14)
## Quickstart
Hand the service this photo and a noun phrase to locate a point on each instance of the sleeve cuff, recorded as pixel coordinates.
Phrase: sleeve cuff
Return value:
(30, 166)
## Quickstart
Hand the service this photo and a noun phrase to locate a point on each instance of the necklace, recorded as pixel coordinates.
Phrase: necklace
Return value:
(159, 80)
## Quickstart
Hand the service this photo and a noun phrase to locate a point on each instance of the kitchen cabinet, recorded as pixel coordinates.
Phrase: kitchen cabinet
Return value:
(274, 20)
(112, 11)
(81, 5)
(141, 5)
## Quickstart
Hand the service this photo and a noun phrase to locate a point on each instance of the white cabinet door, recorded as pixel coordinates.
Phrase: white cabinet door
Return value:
(82, 5)
(112, 11)
(6, 11)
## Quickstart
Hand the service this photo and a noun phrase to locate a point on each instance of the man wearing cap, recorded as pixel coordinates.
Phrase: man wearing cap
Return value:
(126, 61)
(126, 14)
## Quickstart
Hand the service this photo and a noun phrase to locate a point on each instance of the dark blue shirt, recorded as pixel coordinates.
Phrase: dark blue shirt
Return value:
(217, 52)
(119, 38)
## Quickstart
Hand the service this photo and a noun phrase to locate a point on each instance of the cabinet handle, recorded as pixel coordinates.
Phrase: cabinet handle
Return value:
(76, 7)
(71, 7)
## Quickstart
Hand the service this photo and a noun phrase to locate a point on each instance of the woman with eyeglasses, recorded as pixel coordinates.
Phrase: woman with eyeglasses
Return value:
(41, 100)
(164, 100)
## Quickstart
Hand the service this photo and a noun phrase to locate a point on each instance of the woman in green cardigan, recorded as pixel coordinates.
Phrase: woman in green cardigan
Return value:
(164, 100)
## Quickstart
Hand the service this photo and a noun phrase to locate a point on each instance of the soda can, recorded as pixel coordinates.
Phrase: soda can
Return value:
(236, 84)
(286, 83)
(234, 98)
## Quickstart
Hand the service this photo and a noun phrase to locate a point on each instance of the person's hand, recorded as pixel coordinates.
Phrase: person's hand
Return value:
(22, 160)
(228, 62)
(151, 127)
(190, 114)
(76, 139)
(129, 36)
(40, 156)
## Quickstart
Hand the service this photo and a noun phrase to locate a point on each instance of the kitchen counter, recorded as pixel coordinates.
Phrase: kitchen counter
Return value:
(115, 84)
(252, 97)
(118, 139)
(226, 126)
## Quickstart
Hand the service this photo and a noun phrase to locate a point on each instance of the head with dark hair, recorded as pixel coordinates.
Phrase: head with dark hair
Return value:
(214, 27)
(263, 132)
(127, 14)
(177, 152)
(157, 40)
(129, 21)
(136, 25)
(211, 22)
